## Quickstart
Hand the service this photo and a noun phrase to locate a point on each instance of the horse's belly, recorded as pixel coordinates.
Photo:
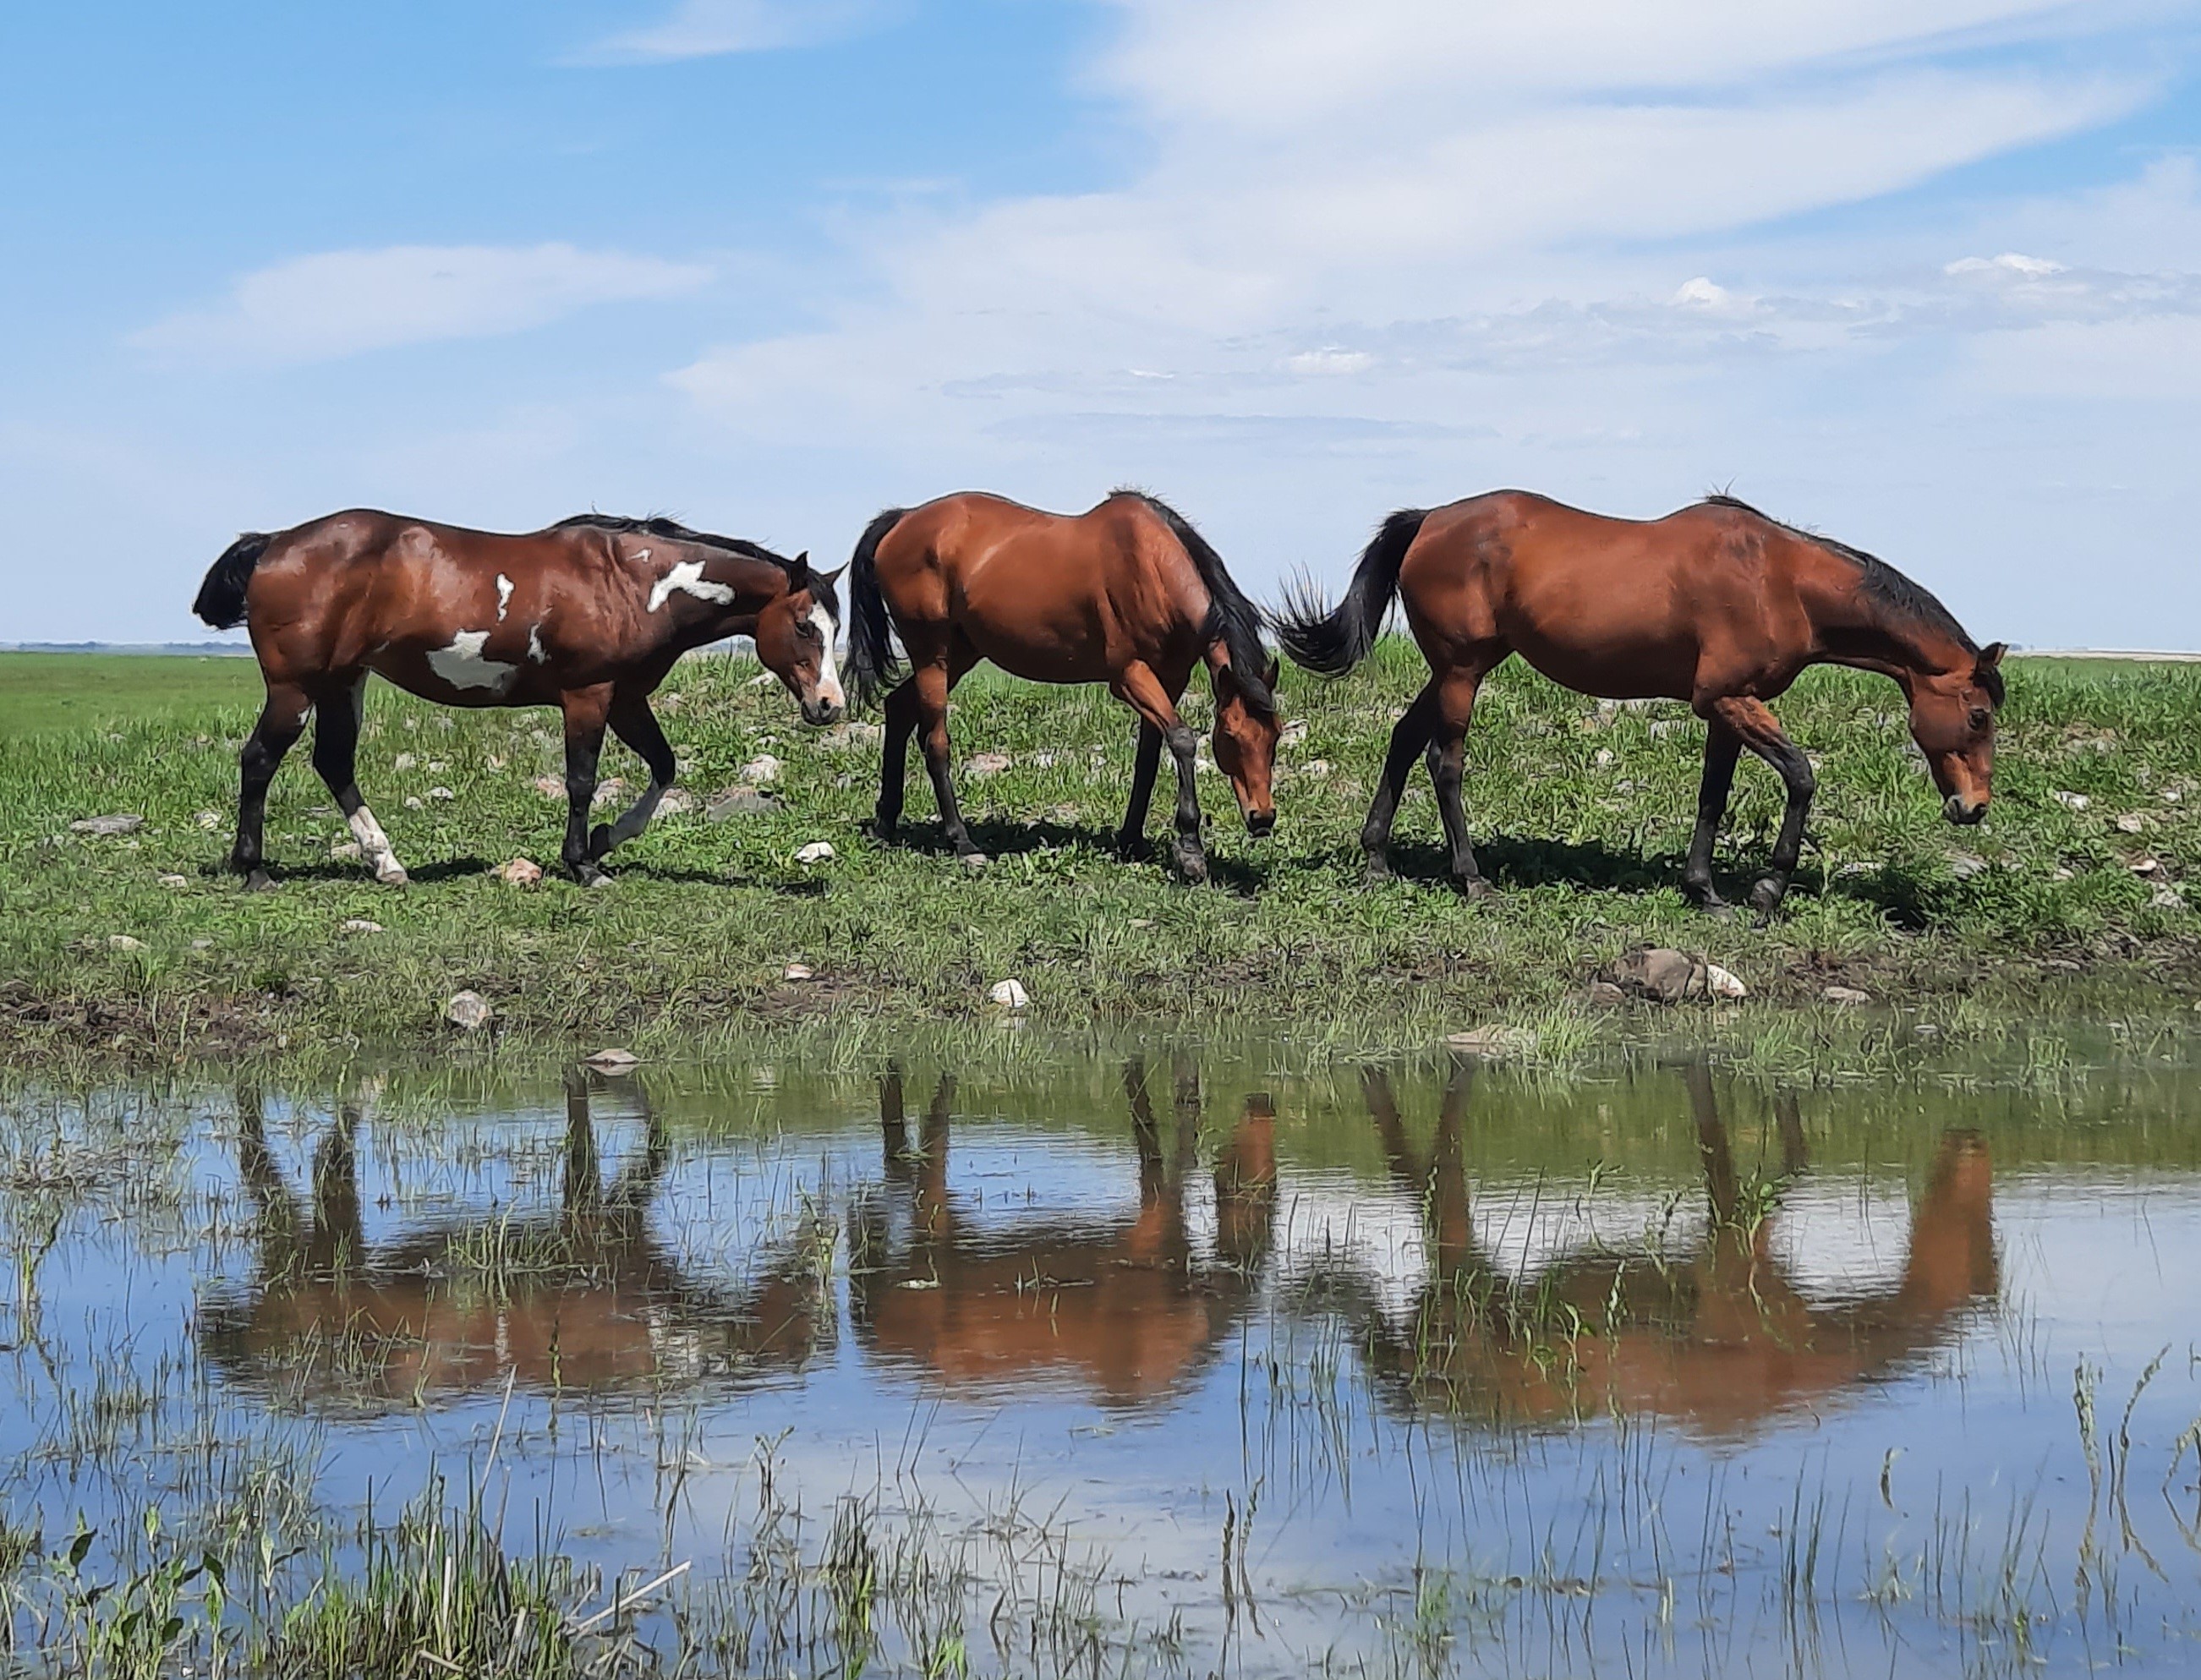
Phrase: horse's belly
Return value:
(465, 672)
(1619, 665)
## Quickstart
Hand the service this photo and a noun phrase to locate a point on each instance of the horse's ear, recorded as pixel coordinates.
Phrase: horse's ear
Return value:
(832, 580)
(1991, 655)
(798, 573)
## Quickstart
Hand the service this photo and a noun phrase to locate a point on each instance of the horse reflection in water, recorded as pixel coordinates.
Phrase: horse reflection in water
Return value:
(1720, 1341)
(1127, 1307)
(581, 1297)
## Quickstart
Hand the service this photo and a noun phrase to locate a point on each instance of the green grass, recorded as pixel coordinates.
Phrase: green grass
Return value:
(53, 693)
(685, 952)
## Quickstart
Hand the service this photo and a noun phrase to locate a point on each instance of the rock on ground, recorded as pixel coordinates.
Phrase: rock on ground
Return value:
(1668, 976)
(468, 1010)
(1845, 995)
(987, 764)
(121, 822)
(519, 873)
(1008, 995)
(818, 851)
(1491, 1043)
(614, 1060)
(740, 803)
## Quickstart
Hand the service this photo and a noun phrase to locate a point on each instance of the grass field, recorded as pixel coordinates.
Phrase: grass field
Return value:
(53, 694)
(1580, 812)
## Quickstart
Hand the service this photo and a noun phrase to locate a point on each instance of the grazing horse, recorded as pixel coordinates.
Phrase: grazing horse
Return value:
(1125, 1304)
(1717, 604)
(1128, 593)
(587, 616)
(1720, 1341)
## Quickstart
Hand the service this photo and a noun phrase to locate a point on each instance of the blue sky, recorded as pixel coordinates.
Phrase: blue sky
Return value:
(1925, 274)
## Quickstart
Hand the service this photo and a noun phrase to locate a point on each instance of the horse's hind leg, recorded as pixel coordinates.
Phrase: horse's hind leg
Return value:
(1408, 737)
(634, 723)
(932, 682)
(1138, 688)
(586, 710)
(282, 720)
(336, 752)
(1722, 746)
(894, 758)
(1761, 731)
(1455, 708)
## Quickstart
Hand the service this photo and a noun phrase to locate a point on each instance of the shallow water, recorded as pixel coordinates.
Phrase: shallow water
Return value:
(1172, 1363)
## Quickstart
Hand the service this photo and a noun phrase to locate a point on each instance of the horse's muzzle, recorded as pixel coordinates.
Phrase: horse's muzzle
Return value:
(821, 712)
(1964, 816)
(1260, 823)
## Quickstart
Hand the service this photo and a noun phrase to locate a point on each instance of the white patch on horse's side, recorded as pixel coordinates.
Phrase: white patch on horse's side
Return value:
(374, 847)
(503, 596)
(687, 578)
(829, 675)
(461, 664)
(636, 816)
(537, 653)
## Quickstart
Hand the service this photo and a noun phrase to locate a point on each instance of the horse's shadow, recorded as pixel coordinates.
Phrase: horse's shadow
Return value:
(999, 838)
(1905, 897)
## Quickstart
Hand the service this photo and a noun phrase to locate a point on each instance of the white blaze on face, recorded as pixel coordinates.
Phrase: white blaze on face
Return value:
(461, 664)
(829, 676)
(374, 847)
(503, 596)
(536, 651)
(687, 578)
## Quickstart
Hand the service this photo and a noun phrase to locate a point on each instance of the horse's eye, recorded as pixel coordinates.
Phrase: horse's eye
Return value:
(1980, 719)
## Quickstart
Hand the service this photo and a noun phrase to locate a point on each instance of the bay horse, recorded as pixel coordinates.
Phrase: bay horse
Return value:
(1127, 593)
(1717, 604)
(588, 616)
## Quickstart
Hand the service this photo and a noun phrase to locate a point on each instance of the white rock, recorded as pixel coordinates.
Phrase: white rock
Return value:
(762, 769)
(1605, 758)
(549, 787)
(403, 761)
(987, 764)
(608, 793)
(1721, 983)
(1845, 995)
(677, 803)
(797, 971)
(123, 942)
(414, 804)
(123, 822)
(206, 818)
(361, 925)
(1492, 1043)
(2146, 867)
(444, 793)
(468, 1010)
(1008, 995)
(437, 766)
(614, 1062)
(2070, 802)
(519, 873)
(2131, 822)
(818, 851)
(173, 882)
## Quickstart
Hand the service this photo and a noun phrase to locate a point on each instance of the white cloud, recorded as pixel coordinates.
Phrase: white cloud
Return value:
(711, 28)
(341, 304)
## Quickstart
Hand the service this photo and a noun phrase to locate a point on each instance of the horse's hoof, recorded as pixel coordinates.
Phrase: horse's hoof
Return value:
(1717, 908)
(973, 861)
(257, 879)
(1475, 889)
(1131, 848)
(1765, 897)
(585, 873)
(1378, 869)
(1192, 866)
(392, 874)
(883, 829)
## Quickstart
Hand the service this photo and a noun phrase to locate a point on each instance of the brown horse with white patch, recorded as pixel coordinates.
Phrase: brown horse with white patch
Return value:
(1716, 605)
(588, 616)
(1128, 593)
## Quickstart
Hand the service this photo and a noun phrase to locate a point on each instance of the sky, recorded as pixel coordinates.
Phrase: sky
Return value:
(1923, 275)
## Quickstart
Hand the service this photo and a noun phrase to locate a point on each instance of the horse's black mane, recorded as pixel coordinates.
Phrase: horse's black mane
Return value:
(672, 531)
(1894, 591)
(1231, 615)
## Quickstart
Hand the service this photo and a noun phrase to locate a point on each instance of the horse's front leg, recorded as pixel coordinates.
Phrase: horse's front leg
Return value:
(1761, 731)
(1408, 737)
(894, 758)
(1722, 746)
(336, 752)
(1455, 709)
(1132, 838)
(586, 712)
(1140, 689)
(634, 723)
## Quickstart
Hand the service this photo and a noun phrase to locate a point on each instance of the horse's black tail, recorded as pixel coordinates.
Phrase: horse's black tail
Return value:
(1332, 640)
(872, 666)
(221, 596)
(1231, 617)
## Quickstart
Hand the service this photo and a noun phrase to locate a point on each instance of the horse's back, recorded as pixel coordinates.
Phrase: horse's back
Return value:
(1613, 607)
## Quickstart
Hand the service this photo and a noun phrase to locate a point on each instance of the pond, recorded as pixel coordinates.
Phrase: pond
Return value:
(1168, 1360)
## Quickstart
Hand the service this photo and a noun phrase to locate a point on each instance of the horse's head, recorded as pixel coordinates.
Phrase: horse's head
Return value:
(794, 635)
(1953, 720)
(1246, 730)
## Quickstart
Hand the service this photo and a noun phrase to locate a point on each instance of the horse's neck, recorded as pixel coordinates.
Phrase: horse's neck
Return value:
(1853, 627)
